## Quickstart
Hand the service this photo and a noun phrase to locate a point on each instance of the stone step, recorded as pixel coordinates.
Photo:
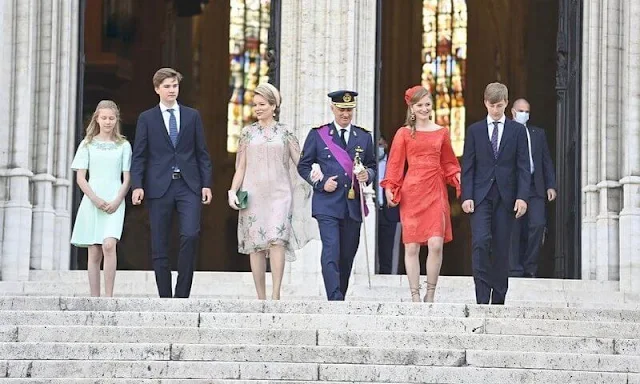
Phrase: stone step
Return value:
(300, 372)
(320, 355)
(129, 334)
(245, 278)
(201, 305)
(324, 321)
(312, 288)
(423, 324)
(232, 292)
(231, 353)
(478, 325)
(524, 343)
(308, 337)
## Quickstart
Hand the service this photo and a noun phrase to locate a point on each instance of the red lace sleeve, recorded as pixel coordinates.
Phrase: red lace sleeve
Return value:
(394, 175)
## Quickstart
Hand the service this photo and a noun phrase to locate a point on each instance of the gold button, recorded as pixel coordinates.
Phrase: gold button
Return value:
(345, 186)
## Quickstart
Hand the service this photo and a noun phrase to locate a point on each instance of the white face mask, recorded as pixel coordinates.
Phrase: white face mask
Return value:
(521, 117)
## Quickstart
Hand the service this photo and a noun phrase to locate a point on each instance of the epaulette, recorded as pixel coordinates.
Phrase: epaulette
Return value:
(364, 129)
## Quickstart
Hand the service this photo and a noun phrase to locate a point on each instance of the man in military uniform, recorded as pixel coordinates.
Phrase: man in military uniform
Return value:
(336, 198)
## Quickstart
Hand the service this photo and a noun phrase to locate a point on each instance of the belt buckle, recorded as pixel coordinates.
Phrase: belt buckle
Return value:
(176, 176)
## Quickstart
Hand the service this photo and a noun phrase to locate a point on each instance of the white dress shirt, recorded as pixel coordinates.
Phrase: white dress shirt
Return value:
(530, 153)
(166, 115)
(346, 134)
(500, 127)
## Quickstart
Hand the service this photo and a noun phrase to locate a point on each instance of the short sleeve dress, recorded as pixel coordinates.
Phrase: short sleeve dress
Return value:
(105, 162)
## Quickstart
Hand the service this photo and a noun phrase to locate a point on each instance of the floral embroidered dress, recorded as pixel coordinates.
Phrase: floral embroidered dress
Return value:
(105, 161)
(278, 197)
(422, 191)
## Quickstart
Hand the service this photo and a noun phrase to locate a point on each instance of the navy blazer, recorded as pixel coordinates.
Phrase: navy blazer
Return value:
(315, 151)
(511, 170)
(544, 176)
(154, 156)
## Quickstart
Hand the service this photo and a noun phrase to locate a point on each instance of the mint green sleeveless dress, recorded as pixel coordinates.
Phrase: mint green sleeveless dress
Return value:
(105, 161)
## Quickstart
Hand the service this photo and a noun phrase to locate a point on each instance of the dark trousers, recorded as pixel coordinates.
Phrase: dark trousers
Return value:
(526, 239)
(188, 206)
(490, 238)
(340, 239)
(386, 239)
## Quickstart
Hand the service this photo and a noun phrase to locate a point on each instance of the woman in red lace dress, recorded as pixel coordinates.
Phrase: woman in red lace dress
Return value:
(422, 191)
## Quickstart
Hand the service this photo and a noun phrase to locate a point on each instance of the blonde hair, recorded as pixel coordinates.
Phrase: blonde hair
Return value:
(93, 129)
(410, 120)
(496, 92)
(165, 73)
(272, 95)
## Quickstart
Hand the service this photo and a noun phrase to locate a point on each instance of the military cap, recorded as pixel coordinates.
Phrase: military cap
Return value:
(343, 99)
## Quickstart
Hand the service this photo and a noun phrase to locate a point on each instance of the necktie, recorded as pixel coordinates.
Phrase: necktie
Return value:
(173, 127)
(343, 142)
(494, 139)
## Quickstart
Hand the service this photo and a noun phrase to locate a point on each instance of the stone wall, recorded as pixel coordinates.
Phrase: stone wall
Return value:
(39, 47)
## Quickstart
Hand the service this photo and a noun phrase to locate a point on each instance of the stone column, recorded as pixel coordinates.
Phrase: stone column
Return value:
(630, 151)
(590, 152)
(602, 122)
(20, 64)
(43, 224)
(65, 133)
(327, 45)
(39, 44)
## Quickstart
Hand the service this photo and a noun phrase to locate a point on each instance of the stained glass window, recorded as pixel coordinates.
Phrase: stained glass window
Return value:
(444, 53)
(249, 32)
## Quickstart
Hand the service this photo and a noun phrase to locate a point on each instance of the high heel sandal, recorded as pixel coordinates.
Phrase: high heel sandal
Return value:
(431, 293)
(415, 294)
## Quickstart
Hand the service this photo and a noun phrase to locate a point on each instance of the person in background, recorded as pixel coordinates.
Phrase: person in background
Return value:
(528, 231)
(388, 217)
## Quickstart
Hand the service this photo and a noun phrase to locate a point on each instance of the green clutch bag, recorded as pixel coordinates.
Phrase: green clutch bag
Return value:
(243, 199)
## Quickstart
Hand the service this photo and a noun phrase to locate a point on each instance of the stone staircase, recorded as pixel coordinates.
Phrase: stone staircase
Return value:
(49, 339)
(551, 331)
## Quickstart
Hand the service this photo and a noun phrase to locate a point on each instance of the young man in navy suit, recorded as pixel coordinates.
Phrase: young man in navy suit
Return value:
(528, 231)
(336, 197)
(495, 189)
(171, 168)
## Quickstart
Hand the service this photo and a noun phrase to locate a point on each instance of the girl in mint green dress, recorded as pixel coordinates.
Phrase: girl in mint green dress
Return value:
(106, 154)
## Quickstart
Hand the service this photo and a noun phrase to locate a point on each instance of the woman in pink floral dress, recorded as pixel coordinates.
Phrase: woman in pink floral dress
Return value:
(266, 169)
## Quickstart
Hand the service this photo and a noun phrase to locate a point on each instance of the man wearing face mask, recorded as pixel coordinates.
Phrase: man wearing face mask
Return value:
(528, 231)
(388, 217)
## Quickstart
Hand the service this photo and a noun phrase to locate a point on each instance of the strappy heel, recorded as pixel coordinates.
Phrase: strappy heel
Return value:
(415, 294)
(431, 293)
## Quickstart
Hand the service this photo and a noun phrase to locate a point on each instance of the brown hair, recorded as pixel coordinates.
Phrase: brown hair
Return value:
(496, 92)
(271, 93)
(410, 121)
(93, 129)
(165, 73)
